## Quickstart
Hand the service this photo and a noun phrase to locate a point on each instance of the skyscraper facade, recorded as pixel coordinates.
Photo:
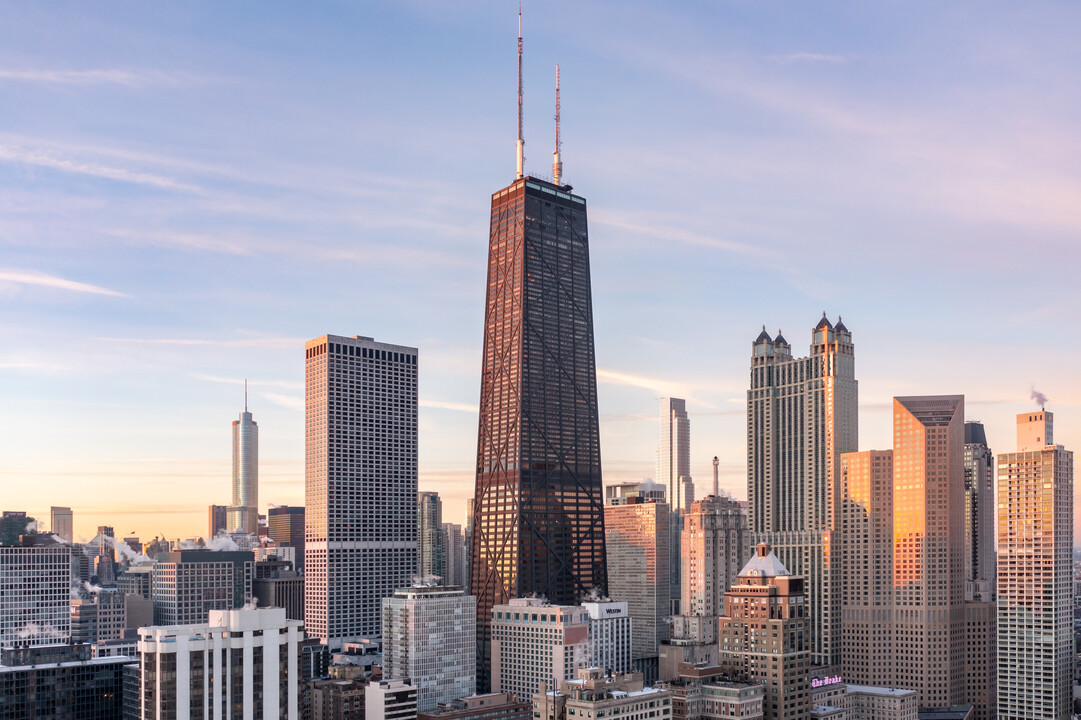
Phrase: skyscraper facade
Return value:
(36, 592)
(980, 570)
(715, 546)
(285, 526)
(360, 471)
(217, 520)
(538, 526)
(673, 470)
(243, 514)
(61, 523)
(1035, 577)
(801, 415)
(431, 561)
(636, 538)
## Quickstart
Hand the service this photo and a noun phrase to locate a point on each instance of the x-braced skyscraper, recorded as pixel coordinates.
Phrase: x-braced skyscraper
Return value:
(538, 526)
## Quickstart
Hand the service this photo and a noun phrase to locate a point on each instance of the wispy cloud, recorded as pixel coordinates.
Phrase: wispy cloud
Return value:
(808, 57)
(291, 402)
(658, 385)
(16, 154)
(287, 384)
(686, 237)
(264, 342)
(132, 78)
(445, 405)
(23, 277)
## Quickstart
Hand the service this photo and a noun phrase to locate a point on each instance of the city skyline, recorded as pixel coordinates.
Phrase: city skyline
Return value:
(162, 316)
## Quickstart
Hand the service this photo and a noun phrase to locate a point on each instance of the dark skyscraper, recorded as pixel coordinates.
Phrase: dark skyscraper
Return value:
(538, 526)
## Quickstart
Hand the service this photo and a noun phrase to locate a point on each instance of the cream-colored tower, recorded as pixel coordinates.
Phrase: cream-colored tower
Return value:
(715, 545)
(1035, 577)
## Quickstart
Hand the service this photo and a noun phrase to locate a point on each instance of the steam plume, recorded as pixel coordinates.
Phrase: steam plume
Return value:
(1039, 397)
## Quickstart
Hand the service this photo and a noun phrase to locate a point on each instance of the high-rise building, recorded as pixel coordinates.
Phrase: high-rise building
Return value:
(928, 547)
(715, 546)
(187, 584)
(624, 493)
(243, 514)
(217, 520)
(597, 693)
(468, 540)
(609, 635)
(865, 557)
(636, 539)
(61, 523)
(35, 591)
(237, 663)
(360, 492)
(430, 639)
(453, 555)
(801, 415)
(765, 634)
(1035, 577)
(431, 562)
(285, 526)
(390, 699)
(534, 641)
(980, 567)
(60, 682)
(674, 450)
(539, 520)
(13, 524)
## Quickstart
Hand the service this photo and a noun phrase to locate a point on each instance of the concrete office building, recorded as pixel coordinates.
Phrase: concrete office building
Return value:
(715, 545)
(709, 692)
(801, 416)
(390, 699)
(625, 493)
(636, 540)
(765, 634)
(240, 663)
(62, 523)
(490, 706)
(280, 588)
(980, 567)
(1036, 655)
(243, 514)
(431, 562)
(187, 584)
(610, 632)
(597, 693)
(60, 682)
(534, 641)
(430, 639)
(360, 483)
(35, 592)
(453, 555)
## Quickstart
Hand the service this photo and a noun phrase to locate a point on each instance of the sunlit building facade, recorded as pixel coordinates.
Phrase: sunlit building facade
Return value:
(243, 514)
(539, 516)
(1035, 576)
(801, 416)
(360, 469)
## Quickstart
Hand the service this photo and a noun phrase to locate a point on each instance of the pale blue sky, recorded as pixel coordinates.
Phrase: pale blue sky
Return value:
(190, 191)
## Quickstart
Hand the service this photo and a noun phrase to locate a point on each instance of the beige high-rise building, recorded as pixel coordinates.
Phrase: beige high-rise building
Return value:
(866, 561)
(1035, 577)
(928, 547)
(714, 545)
(801, 416)
(765, 634)
(636, 541)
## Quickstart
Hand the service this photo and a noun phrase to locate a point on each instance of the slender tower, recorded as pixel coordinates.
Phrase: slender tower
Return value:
(521, 137)
(557, 163)
(538, 526)
(243, 514)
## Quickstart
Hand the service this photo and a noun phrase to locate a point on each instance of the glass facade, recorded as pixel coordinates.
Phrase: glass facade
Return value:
(539, 518)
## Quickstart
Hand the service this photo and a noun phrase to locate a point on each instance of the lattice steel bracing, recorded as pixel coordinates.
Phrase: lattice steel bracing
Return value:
(538, 523)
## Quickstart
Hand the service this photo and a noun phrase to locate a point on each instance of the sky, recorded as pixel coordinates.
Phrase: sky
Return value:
(190, 191)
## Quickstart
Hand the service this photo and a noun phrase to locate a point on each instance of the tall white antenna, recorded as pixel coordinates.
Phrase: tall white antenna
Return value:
(521, 139)
(557, 164)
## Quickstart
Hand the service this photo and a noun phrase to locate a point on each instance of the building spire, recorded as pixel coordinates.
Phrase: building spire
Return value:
(521, 139)
(245, 394)
(557, 163)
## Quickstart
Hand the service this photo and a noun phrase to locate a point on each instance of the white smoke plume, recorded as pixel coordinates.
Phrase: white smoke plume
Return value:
(1038, 396)
(31, 527)
(595, 595)
(58, 539)
(34, 630)
(427, 580)
(251, 605)
(126, 552)
(222, 543)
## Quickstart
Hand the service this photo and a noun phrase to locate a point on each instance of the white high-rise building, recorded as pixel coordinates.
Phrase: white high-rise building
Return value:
(35, 593)
(243, 514)
(360, 483)
(610, 635)
(241, 663)
(801, 415)
(1035, 575)
(390, 699)
(535, 642)
(430, 639)
(61, 523)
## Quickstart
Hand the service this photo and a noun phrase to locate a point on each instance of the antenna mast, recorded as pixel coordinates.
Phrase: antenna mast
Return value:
(521, 140)
(245, 394)
(557, 164)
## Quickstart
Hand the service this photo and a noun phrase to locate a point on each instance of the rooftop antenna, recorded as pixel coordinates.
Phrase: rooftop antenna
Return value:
(245, 394)
(557, 164)
(521, 140)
